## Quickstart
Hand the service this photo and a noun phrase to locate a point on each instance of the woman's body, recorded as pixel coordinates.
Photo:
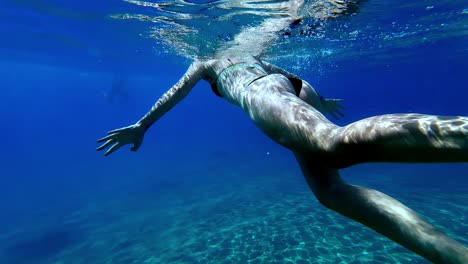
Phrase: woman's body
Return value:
(289, 111)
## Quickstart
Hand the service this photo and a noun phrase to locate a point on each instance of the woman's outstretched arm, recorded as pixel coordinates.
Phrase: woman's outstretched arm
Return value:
(134, 134)
(174, 95)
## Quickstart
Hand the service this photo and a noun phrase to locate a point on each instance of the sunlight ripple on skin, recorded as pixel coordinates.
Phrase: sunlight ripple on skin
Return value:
(381, 200)
(408, 217)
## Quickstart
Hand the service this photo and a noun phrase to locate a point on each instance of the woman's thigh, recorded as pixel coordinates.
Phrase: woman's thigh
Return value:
(273, 106)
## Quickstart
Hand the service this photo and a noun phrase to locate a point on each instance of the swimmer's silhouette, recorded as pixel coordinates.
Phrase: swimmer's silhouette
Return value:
(117, 92)
(291, 112)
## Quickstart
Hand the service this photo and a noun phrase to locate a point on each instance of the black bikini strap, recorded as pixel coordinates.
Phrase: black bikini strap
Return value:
(297, 84)
(214, 88)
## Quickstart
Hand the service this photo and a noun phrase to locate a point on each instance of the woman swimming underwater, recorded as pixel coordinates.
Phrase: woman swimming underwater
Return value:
(289, 111)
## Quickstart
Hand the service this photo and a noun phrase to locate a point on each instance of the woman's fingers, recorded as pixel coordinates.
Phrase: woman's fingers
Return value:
(105, 138)
(113, 148)
(105, 145)
(117, 130)
(339, 112)
(334, 115)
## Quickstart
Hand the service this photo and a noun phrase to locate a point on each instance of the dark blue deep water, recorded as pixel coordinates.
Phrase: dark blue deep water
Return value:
(207, 186)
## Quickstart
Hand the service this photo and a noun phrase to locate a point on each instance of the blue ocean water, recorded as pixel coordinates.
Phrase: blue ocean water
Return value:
(207, 186)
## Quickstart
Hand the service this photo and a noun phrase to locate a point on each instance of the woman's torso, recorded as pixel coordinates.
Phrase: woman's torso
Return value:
(230, 77)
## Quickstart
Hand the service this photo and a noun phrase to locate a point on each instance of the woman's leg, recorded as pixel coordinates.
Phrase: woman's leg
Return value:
(288, 120)
(404, 138)
(380, 212)
(285, 118)
(272, 104)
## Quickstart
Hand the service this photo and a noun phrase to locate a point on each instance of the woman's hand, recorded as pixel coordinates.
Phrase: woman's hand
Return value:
(333, 107)
(119, 137)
